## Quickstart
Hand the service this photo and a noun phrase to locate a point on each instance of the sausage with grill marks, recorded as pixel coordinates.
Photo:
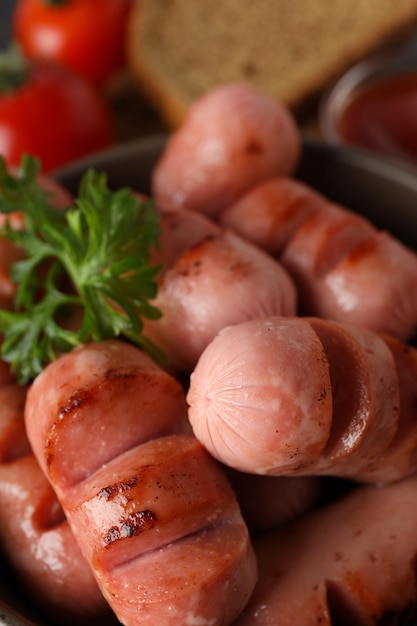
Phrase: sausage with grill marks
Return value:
(344, 268)
(140, 492)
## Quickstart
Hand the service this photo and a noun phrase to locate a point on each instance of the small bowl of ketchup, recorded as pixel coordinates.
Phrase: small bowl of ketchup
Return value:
(374, 105)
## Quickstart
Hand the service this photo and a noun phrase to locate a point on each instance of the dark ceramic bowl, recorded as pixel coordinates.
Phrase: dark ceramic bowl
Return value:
(392, 64)
(375, 187)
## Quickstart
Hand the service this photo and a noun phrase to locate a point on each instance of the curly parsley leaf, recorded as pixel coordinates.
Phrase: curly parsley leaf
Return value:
(96, 255)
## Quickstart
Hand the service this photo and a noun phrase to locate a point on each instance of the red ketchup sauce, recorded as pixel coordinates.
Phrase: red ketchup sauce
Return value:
(382, 116)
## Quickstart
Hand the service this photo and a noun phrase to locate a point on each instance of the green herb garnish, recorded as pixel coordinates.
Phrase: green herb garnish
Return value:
(95, 255)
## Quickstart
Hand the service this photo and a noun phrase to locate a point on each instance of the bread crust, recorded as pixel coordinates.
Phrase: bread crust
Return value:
(177, 50)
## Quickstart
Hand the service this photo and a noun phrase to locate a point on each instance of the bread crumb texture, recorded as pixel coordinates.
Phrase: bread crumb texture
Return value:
(179, 49)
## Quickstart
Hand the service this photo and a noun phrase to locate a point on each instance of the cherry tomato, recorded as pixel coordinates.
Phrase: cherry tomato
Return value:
(85, 35)
(53, 114)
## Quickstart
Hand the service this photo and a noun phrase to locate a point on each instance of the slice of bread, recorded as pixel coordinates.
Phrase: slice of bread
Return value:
(179, 49)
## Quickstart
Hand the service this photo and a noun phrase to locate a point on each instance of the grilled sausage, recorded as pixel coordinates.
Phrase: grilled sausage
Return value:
(138, 498)
(344, 268)
(111, 376)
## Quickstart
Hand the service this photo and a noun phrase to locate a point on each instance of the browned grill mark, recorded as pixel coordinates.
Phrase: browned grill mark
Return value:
(131, 526)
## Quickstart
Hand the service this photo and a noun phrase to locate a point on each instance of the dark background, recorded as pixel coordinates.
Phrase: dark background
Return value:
(6, 7)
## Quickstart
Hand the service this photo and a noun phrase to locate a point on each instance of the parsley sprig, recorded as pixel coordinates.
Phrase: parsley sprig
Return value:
(95, 255)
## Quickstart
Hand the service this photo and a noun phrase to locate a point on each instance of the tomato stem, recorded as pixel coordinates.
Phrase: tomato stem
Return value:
(56, 2)
(14, 70)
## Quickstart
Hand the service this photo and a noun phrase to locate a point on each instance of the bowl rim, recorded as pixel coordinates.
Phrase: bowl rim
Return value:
(398, 59)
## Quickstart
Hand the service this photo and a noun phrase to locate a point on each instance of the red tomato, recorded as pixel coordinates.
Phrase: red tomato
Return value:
(55, 115)
(85, 35)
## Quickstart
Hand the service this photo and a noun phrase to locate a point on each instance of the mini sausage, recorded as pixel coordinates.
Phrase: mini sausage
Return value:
(165, 508)
(211, 278)
(232, 138)
(260, 397)
(344, 268)
(292, 396)
(137, 497)
(351, 562)
(42, 551)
